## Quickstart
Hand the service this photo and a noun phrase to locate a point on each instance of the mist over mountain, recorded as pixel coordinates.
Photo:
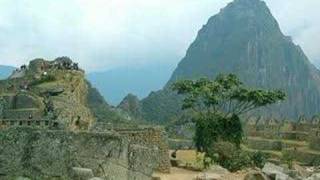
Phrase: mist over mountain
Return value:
(5, 71)
(115, 84)
(245, 39)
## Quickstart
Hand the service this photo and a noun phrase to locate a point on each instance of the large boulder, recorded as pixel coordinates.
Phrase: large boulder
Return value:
(300, 171)
(205, 176)
(22, 178)
(217, 170)
(256, 175)
(314, 177)
(96, 178)
(275, 172)
(82, 173)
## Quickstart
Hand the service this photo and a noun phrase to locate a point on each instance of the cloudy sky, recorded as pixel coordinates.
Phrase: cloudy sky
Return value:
(106, 34)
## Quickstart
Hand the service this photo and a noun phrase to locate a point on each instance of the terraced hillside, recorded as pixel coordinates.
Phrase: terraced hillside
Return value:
(294, 141)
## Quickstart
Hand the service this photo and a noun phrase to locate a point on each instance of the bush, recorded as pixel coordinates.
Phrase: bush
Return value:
(237, 161)
(288, 159)
(234, 158)
(259, 159)
(315, 162)
(231, 157)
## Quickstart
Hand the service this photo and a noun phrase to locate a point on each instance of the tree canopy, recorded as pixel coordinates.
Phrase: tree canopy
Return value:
(226, 94)
(217, 105)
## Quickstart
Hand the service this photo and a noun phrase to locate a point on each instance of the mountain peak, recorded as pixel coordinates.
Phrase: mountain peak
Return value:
(248, 12)
(245, 39)
(249, 4)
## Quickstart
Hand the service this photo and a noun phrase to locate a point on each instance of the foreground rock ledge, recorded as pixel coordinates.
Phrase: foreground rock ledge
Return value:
(44, 154)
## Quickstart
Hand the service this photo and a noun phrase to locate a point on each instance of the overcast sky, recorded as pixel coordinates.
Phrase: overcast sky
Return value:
(105, 34)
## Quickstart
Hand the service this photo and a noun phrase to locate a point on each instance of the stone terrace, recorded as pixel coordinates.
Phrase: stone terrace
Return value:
(299, 140)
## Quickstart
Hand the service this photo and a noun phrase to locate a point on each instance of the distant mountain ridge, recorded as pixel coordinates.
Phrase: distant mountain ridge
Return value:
(115, 84)
(5, 71)
(244, 39)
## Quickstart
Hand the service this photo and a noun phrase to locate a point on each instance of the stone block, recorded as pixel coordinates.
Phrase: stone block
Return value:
(96, 178)
(82, 173)
(256, 175)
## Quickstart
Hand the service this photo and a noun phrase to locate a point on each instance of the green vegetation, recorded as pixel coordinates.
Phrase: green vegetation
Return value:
(43, 79)
(216, 106)
(259, 159)
(288, 159)
(233, 158)
(100, 108)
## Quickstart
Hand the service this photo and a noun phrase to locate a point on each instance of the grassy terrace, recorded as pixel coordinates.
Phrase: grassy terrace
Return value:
(272, 154)
(284, 141)
(24, 109)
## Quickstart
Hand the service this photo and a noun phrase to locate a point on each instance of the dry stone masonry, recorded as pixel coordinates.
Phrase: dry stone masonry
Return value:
(299, 140)
(48, 131)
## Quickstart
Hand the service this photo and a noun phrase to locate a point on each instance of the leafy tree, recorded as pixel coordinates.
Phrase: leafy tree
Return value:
(217, 106)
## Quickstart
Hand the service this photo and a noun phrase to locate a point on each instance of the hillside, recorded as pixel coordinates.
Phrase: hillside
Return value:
(244, 39)
(55, 94)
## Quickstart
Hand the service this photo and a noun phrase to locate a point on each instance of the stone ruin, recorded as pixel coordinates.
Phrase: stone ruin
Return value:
(47, 130)
(299, 140)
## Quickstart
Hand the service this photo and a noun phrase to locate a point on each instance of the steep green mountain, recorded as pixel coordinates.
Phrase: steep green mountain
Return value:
(5, 71)
(102, 111)
(244, 39)
(131, 104)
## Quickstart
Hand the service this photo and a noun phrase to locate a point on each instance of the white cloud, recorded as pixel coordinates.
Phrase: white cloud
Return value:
(104, 34)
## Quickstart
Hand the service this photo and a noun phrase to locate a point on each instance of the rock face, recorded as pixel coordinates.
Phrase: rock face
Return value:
(45, 154)
(55, 91)
(256, 176)
(48, 92)
(245, 39)
(276, 172)
(55, 125)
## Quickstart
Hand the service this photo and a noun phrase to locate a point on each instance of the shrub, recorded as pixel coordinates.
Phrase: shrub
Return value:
(316, 162)
(288, 158)
(231, 157)
(259, 159)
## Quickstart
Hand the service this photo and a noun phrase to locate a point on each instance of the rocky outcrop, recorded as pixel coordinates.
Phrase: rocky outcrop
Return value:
(244, 39)
(256, 175)
(44, 154)
(55, 125)
(47, 90)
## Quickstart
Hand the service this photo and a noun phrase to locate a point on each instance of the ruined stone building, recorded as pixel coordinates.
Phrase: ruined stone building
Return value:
(47, 130)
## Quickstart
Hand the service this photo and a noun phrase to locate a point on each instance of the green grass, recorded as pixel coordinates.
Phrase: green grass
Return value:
(23, 109)
(273, 154)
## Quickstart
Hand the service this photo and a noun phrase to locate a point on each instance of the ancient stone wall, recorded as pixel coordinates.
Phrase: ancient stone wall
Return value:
(153, 137)
(43, 154)
(314, 140)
